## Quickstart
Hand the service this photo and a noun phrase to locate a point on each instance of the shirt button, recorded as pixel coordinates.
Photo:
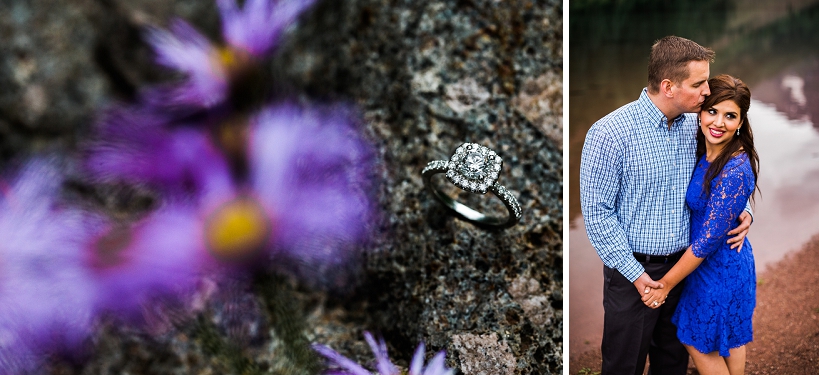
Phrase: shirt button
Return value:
(672, 234)
(672, 211)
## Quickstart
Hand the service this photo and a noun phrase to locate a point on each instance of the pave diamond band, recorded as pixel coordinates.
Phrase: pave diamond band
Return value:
(473, 168)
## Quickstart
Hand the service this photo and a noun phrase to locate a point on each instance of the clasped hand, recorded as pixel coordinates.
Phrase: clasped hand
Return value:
(655, 297)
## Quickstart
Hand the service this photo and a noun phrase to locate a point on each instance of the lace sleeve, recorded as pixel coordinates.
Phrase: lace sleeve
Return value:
(729, 194)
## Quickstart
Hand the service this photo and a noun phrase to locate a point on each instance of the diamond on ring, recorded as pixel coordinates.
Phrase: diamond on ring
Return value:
(656, 303)
(474, 168)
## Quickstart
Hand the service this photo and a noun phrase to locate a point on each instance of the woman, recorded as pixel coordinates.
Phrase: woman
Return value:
(713, 317)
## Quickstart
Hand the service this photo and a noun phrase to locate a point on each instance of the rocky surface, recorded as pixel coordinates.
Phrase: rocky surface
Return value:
(427, 76)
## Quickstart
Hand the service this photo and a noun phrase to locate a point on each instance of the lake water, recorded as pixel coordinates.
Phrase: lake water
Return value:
(770, 47)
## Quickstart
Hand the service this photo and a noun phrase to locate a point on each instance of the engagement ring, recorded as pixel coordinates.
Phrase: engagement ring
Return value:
(473, 168)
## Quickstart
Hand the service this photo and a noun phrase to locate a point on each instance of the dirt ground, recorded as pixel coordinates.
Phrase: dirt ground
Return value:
(786, 320)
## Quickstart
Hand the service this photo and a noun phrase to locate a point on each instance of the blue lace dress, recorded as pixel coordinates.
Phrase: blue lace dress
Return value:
(718, 298)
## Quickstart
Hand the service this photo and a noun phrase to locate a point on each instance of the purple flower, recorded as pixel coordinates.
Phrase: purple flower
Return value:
(46, 294)
(251, 33)
(382, 362)
(290, 181)
(305, 191)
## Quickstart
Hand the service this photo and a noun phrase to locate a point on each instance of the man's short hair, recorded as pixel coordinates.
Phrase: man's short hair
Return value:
(669, 59)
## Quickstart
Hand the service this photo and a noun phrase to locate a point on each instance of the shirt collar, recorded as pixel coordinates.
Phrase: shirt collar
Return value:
(652, 114)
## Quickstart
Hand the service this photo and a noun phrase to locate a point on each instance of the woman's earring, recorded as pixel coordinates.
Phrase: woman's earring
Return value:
(737, 131)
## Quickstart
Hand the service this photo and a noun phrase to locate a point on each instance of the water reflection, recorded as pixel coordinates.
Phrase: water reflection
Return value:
(771, 47)
(794, 92)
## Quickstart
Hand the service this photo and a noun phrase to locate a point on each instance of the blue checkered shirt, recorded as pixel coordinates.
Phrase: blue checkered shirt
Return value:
(634, 172)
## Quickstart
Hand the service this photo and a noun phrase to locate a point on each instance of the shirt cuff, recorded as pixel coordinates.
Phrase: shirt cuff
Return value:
(749, 210)
(631, 269)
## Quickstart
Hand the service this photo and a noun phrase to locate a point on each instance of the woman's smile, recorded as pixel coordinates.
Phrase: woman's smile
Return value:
(716, 133)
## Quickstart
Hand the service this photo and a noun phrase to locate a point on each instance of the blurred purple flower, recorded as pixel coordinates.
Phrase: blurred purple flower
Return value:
(46, 294)
(300, 191)
(251, 33)
(382, 361)
(160, 258)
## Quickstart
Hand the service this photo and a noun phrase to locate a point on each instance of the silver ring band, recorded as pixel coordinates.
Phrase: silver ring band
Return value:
(473, 168)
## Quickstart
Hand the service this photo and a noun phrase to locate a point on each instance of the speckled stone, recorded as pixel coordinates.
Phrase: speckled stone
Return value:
(428, 76)
(61, 61)
(48, 89)
(483, 354)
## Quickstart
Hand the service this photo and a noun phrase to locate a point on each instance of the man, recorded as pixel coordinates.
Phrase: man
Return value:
(634, 172)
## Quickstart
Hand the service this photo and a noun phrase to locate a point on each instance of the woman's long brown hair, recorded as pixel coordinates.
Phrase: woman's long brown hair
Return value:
(724, 87)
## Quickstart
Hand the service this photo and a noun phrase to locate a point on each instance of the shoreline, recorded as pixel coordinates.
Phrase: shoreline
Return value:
(786, 319)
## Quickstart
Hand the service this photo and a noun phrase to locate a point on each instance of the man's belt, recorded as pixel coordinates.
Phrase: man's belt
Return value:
(645, 258)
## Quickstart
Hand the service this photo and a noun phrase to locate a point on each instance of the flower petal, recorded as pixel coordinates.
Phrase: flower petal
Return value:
(437, 367)
(382, 359)
(185, 50)
(161, 256)
(339, 360)
(417, 361)
(256, 28)
(46, 296)
(135, 146)
(311, 170)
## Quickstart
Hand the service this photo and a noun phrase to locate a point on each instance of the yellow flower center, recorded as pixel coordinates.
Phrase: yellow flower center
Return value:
(233, 61)
(227, 57)
(237, 229)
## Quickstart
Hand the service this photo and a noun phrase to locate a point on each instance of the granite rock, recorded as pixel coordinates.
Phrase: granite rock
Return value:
(483, 354)
(429, 77)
